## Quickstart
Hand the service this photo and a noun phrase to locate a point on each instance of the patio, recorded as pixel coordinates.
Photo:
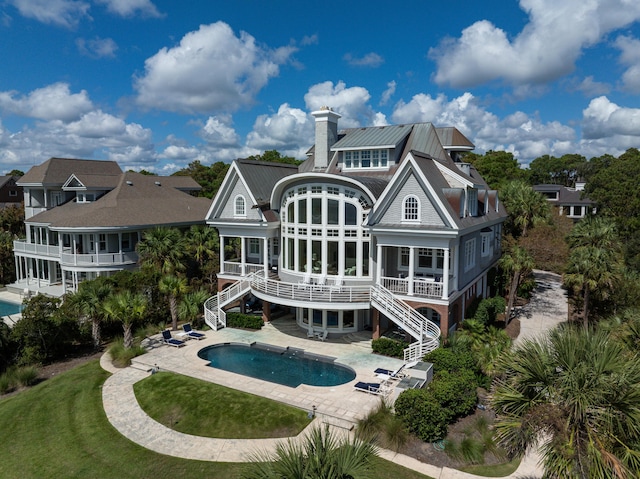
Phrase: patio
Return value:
(339, 405)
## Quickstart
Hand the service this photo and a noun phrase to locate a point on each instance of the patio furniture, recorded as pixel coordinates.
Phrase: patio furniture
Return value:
(322, 335)
(383, 373)
(379, 389)
(171, 341)
(190, 333)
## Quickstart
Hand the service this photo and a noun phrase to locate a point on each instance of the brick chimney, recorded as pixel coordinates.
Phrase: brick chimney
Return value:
(326, 135)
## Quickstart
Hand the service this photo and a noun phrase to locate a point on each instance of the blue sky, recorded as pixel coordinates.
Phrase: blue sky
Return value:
(159, 84)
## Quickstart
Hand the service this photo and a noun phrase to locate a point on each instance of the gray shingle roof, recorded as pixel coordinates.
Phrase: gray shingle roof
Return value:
(261, 176)
(56, 171)
(137, 201)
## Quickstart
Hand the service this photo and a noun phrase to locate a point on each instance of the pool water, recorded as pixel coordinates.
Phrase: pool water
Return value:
(287, 366)
(7, 308)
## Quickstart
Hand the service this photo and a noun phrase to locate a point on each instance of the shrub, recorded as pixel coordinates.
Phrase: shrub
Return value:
(388, 347)
(422, 414)
(25, 376)
(455, 393)
(451, 359)
(383, 427)
(121, 356)
(6, 383)
(246, 321)
(489, 309)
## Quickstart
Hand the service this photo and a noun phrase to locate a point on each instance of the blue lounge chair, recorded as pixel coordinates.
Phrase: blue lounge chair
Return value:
(372, 388)
(390, 374)
(168, 339)
(190, 333)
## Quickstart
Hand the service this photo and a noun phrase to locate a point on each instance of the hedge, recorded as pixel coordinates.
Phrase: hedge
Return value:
(246, 321)
(389, 347)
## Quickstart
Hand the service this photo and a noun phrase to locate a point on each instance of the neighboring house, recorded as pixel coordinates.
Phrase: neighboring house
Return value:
(10, 192)
(570, 202)
(381, 226)
(83, 219)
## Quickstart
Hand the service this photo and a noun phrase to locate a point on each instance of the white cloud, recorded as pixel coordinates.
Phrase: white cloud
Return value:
(53, 102)
(388, 93)
(63, 13)
(630, 57)
(218, 131)
(371, 59)
(604, 119)
(351, 103)
(545, 49)
(97, 47)
(525, 136)
(590, 88)
(290, 131)
(210, 70)
(130, 8)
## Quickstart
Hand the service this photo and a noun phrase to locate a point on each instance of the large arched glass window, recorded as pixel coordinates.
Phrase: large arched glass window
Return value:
(411, 209)
(240, 208)
(322, 231)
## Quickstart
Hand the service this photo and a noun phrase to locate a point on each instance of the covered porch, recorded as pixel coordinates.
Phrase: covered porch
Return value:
(244, 255)
(417, 271)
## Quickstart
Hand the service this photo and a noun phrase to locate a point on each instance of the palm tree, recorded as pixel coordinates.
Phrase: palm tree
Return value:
(203, 244)
(174, 287)
(89, 303)
(127, 308)
(517, 264)
(162, 249)
(576, 393)
(191, 307)
(487, 344)
(595, 261)
(526, 207)
(321, 455)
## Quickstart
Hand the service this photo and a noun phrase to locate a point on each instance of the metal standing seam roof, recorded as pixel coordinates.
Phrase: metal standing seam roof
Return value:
(372, 137)
(451, 138)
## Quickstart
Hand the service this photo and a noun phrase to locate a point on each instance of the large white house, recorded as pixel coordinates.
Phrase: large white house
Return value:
(380, 226)
(83, 219)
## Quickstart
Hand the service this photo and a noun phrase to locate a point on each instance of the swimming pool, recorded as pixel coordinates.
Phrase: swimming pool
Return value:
(287, 366)
(7, 308)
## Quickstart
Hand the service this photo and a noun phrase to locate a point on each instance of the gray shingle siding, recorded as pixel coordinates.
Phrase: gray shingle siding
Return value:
(428, 213)
(229, 206)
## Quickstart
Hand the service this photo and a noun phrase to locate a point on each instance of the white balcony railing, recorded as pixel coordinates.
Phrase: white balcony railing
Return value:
(311, 293)
(234, 268)
(421, 286)
(39, 249)
(98, 259)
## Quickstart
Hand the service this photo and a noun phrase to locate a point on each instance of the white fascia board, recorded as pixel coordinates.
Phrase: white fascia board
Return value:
(457, 176)
(222, 191)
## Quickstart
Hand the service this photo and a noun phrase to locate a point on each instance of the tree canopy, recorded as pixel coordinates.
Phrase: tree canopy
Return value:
(496, 167)
(556, 171)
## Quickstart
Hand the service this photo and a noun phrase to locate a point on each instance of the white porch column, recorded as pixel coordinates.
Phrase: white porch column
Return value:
(265, 255)
(445, 275)
(379, 263)
(243, 255)
(221, 253)
(455, 267)
(411, 267)
(38, 271)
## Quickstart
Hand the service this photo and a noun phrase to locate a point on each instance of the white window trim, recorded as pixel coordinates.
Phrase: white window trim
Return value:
(358, 157)
(485, 248)
(242, 214)
(469, 254)
(404, 209)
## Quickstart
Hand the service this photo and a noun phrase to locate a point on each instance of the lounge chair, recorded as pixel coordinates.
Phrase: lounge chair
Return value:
(390, 374)
(171, 341)
(380, 389)
(190, 333)
(322, 335)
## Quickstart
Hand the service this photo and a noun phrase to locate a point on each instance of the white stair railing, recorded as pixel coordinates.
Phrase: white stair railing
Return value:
(426, 333)
(214, 315)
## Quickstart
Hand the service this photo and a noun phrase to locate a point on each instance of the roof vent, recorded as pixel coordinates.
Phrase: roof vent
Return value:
(130, 183)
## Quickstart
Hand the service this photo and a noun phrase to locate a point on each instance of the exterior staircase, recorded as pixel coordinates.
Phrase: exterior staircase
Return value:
(426, 333)
(214, 314)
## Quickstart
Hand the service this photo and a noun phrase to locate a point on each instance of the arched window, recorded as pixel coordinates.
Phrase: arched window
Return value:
(240, 208)
(411, 209)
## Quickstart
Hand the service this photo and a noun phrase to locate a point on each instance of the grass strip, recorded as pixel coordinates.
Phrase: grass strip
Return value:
(59, 429)
(205, 409)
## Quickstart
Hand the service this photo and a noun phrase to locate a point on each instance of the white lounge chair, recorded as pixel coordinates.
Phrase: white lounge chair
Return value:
(322, 335)
(379, 389)
(382, 373)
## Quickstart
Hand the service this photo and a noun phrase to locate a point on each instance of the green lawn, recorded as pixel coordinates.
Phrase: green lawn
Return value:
(206, 409)
(58, 429)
